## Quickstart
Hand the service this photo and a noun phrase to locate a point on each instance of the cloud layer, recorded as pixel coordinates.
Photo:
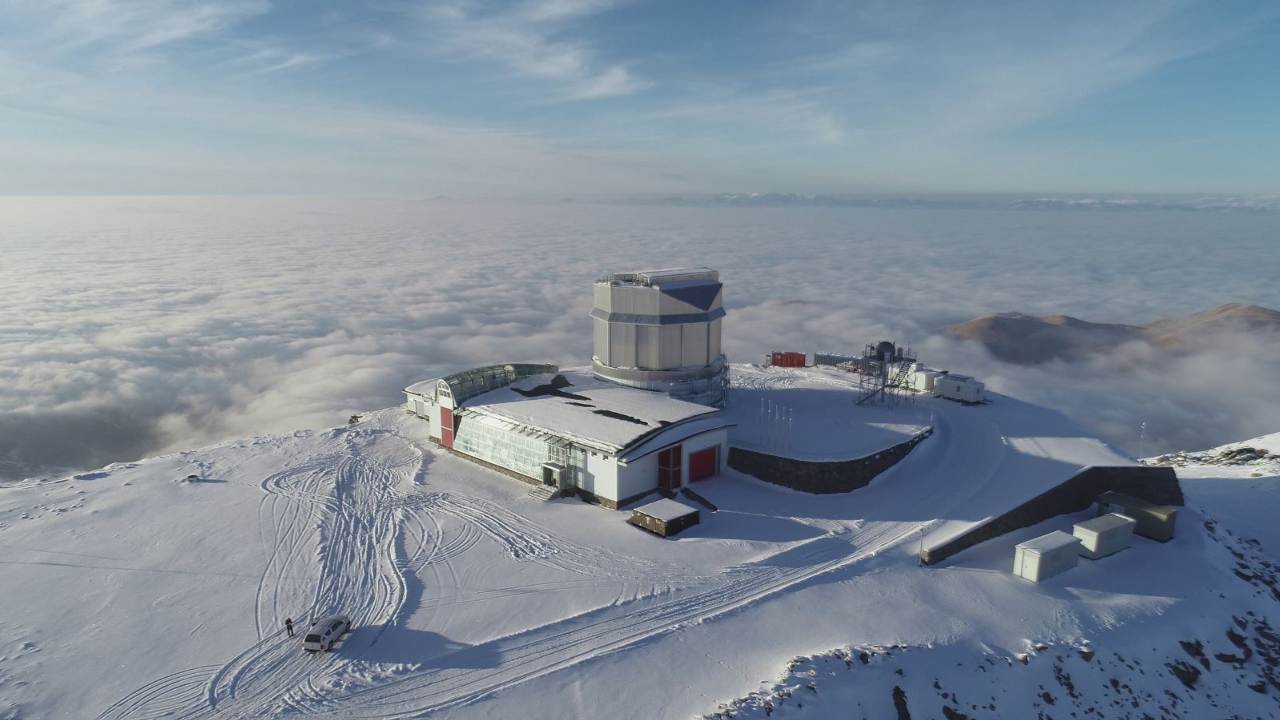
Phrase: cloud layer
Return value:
(136, 325)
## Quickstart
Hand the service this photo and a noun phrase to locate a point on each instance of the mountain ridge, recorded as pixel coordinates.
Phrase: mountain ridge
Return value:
(1025, 339)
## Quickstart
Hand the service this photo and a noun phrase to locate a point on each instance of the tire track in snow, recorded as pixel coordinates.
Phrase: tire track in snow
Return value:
(358, 525)
(358, 576)
(361, 574)
(288, 513)
(295, 505)
(523, 539)
(165, 697)
(544, 650)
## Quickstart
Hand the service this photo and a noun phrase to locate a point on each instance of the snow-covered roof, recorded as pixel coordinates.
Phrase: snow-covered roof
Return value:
(680, 432)
(423, 387)
(581, 407)
(1053, 541)
(1103, 523)
(809, 414)
(665, 510)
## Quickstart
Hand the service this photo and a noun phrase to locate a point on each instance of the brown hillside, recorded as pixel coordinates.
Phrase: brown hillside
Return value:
(1029, 339)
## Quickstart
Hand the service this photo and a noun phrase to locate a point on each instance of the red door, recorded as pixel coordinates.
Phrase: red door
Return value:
(446, 427)
(669, 468)
(703, 464)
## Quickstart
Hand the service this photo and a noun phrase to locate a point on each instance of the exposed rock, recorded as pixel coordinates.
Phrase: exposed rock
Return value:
(1186, 673)
(900, 703)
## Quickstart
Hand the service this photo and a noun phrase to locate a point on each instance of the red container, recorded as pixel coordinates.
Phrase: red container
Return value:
(787, 359)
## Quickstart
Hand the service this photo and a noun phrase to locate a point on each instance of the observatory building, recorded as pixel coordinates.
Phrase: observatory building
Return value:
(644, 419)
(570, 430)
(660, 330)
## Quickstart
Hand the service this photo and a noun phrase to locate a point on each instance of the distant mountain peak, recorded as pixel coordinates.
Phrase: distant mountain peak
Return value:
(1029, 339)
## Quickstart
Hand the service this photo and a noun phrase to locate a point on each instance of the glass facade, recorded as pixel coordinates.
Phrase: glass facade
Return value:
(509, 446)
(469, 383)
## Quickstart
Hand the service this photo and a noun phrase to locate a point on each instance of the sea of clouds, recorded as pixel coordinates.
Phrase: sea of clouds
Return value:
(133, 326)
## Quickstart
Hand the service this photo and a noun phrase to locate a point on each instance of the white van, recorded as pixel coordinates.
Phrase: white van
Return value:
(324, 633)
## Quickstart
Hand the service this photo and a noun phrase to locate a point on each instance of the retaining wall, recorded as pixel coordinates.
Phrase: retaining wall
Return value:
(820, 477)
(1155, 484)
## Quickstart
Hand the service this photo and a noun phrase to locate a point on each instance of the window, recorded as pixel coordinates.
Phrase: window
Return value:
(504, 445)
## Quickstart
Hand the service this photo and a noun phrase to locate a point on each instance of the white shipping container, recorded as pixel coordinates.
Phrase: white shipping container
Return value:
(925, 378)
(959, 387)
(1046, 556)
(1104, 535)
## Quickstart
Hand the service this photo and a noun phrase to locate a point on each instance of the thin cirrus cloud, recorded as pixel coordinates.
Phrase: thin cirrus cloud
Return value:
(122, 27)
(633, 98)
(523, 39)
(134, 326)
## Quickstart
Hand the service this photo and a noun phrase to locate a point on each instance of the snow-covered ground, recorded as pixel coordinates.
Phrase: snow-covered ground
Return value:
(130, 592)
(809, 414)
(1194, 630)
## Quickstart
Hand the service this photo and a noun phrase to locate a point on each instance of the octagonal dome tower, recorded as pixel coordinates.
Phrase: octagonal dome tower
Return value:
(660, 330)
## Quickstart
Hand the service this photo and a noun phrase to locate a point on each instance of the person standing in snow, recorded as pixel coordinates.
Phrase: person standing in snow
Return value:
(288, 625)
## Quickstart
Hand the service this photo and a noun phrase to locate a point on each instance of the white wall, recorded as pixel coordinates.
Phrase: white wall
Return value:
(601, 476)
(639, 476)
(964, 390)
(427, 410)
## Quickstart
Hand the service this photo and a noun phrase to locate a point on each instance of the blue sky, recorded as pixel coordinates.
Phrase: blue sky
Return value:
(553, 97)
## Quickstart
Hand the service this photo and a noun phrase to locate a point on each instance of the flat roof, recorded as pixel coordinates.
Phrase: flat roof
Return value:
(1052, 541)
(665, 510)
(664, 276)
(578, 406)
(1136, 505)
(1102, 523)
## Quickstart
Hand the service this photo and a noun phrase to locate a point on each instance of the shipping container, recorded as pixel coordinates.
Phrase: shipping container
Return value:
(1154, 521)
(959, 387)
(1104, 535)
(788, 359)
(1046, 556)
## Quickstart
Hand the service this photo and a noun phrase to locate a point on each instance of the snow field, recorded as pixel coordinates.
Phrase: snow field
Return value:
(470, 599)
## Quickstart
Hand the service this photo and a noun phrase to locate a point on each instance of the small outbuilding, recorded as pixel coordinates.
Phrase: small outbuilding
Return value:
(664, 517)
(1153, 521)
(1046, 556)
(1104, 535)
(924, 379)
(961, 388)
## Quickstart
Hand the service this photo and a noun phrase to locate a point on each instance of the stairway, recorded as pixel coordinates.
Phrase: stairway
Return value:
(543, 492)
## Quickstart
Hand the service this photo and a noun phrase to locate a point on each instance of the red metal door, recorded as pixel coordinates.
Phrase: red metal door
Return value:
(703, 464)
(446, 427)
(669, 462)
